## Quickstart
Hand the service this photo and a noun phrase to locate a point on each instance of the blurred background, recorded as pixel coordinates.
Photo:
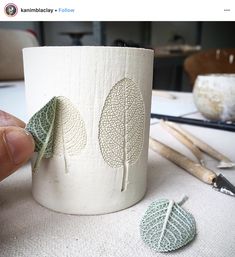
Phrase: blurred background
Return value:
(173, 42)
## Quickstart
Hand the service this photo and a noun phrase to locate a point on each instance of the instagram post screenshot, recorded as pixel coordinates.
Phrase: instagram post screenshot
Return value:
(117, 128)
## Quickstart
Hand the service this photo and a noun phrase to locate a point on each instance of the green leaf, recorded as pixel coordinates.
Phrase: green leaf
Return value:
(57, 129)
(41, 127)
(166, 226)
(121, 127)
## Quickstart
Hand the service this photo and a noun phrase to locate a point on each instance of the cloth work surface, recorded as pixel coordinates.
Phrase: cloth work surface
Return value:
(28, 229)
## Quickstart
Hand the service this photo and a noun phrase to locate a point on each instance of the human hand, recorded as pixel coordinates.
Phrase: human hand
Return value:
(16, 145)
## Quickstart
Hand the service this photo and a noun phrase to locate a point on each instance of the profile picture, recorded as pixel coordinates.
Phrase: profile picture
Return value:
(11, 10)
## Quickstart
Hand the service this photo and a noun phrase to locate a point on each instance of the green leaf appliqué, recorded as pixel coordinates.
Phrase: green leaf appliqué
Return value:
(166, 226)
(41, 127)
(121, 127)
(57, 129)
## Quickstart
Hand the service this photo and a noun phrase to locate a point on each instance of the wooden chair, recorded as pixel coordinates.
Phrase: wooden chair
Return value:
(210, 61)
(11, 59)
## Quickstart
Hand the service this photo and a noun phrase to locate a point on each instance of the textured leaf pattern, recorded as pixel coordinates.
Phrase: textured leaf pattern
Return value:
(41, 124)
(121, 127)
(57, 129)
(69, 131)
(41, 127)
(166, 226)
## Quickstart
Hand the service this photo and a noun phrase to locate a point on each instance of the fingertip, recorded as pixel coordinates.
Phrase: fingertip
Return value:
(19, 143)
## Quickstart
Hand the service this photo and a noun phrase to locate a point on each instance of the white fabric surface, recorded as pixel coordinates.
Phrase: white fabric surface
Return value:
(28, 229)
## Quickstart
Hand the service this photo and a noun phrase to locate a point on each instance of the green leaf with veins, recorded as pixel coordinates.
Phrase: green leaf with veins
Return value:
(166, 226)
(41, 127)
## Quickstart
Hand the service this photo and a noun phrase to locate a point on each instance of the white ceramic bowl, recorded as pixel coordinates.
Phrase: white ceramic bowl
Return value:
(214, 96)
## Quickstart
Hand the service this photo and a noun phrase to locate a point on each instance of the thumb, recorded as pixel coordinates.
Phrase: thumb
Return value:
(16, 147)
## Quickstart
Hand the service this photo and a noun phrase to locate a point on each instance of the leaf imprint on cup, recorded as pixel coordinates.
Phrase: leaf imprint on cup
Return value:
(70, 135)
(57, 129)
(121, 127)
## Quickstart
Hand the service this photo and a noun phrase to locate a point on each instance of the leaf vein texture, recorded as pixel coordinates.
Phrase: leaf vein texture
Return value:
(168, 233)
(118, 118)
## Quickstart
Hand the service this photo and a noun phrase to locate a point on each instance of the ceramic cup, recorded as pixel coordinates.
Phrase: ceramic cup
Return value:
(214, 96)
(99, 163)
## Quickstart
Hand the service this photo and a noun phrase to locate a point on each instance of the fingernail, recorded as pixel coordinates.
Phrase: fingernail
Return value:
(19, 143)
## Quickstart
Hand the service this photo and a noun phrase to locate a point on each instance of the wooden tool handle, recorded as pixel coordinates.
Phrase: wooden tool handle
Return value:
(200, 144)
(184, 140)
(182, 161)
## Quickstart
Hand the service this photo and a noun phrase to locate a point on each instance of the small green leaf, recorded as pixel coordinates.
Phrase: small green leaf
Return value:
(166, 226)
(58, 129)
(41, 127)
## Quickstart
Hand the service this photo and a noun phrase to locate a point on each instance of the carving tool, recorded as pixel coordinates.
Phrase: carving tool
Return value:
(228, 126)
(195, 145)
(184, 140)
(219, 182)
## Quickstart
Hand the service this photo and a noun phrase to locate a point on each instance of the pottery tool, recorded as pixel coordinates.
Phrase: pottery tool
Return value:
(228, 126)
(184, 140)
(195, 145)
(219, 182)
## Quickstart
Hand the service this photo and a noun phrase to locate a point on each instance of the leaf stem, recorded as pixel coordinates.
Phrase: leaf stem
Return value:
(41, 152)
(125, 167)
(65, 155)
(125, 176)
(169, 208)
(184, 199)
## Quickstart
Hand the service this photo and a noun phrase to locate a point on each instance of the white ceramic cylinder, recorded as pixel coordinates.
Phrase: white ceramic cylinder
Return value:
(214, 96)
(110, 87)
